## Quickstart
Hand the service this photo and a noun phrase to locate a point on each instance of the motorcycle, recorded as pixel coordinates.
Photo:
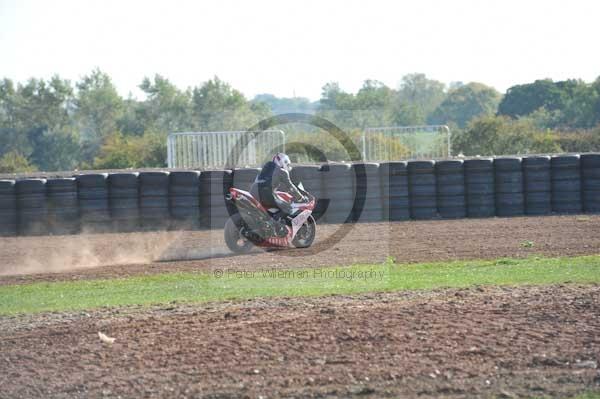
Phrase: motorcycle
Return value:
(256, 225)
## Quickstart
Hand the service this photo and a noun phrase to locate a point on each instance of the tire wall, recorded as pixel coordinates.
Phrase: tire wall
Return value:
(394, 191)
(368, 205)
(244, 177)
(510, 200)
(338, 183)
(214, 210)
(94, 211)
(154, 200)
(63, 206)
(184, 200)
(451, 189)
(590, 174)
(537, 184)
(8, 208)
(480, 187)
(566, 184)
(422, 190)
(32, 206)
(124, 201)
(311, 177)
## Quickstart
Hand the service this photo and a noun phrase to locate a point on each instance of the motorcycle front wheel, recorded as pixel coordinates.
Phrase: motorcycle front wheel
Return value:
(306, 235)
(234, 239)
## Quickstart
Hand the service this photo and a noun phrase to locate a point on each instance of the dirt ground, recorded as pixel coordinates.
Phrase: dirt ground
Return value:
(28, 259)
(490, 342)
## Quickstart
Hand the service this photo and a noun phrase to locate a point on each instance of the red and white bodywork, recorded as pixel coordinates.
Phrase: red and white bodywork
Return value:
(255, 216)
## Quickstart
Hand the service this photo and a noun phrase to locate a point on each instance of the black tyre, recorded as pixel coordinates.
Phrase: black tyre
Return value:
(235, 241)
(306, 235)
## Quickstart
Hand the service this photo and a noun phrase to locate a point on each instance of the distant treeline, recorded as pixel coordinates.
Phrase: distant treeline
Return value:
(57, 125)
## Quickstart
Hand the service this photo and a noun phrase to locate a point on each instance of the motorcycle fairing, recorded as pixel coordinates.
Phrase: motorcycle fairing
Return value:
(248, 205)
(298, 221)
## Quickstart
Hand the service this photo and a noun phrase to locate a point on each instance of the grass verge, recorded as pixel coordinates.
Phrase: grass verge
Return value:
(228, 284)
(589, 395)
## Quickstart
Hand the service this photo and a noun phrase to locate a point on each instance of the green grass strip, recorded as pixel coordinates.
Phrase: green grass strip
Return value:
(588, 395)
(226, 285)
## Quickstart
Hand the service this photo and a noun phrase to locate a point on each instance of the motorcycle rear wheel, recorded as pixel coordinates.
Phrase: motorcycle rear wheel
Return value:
(306, 235)
(234, 239)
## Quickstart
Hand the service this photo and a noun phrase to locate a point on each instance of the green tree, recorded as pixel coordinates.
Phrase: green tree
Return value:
(373, 95)
(36, 122)
(133, 120)
(417, 98)
(580, 102)
(8, 104)
(371, 106)
(120, 151)
(54, 151)
(218, 106)
(12, 139)
(334, 98)
(465, 103)
(166, 109)
(41, 104)
(98, 108)
(286, 105)
(12, 135)
(521, 100)
(572, 103)
(524, 99)
(544, 119)
(596, 106)
(500, 135)
(337, 106)
(580, 141)
(14, 162)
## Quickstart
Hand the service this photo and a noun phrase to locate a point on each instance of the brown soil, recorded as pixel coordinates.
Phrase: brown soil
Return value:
(29, 259)
(490, 342)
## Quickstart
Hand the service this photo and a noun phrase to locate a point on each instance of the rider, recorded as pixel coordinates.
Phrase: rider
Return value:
(275, 176)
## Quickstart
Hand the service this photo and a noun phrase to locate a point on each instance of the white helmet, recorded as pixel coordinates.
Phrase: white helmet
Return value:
(283, 161)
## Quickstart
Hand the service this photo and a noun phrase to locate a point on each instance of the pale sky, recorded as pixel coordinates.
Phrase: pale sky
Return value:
(285, 47)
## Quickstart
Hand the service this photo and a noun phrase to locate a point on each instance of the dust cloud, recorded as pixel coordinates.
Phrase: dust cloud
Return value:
(52, 254)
